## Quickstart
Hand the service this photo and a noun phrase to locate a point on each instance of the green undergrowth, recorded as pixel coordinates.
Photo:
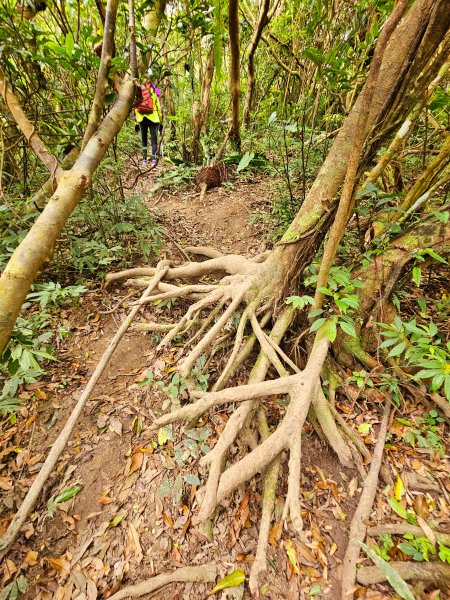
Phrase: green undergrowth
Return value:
(109, 230)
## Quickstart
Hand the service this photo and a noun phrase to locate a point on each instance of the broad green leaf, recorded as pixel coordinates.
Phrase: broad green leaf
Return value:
(290, 551)
(402, 512)
(4, 593)
(417, 275)
(317, 324)
(332, 332)
(70, 44)
(232, 580)
(22, 584)
(68, 494)
(399, 488)
(434, 255)
(399, 584)
(397, 350)
(347, 328)
(118, 518)
(404, 422)
(245, 161)
(364, 428)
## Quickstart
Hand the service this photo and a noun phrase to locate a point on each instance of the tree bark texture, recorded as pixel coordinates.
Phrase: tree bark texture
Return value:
(235, 79)
(37, 247)
(256, 37)
(390, 93)
(101, 87)
(201, 110)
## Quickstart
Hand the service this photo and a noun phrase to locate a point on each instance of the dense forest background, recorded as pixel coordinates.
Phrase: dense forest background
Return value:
(327, 123)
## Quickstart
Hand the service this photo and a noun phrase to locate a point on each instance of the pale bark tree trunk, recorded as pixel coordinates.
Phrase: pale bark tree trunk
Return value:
(102, 77)
(37, 247)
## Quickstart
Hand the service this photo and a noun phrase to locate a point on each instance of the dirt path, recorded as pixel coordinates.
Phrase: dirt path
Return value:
(132, 518)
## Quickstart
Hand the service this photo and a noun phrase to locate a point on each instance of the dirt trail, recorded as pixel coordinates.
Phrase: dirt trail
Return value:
(132, 518)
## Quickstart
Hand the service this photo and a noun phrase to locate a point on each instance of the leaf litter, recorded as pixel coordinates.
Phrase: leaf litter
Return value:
(130, 517)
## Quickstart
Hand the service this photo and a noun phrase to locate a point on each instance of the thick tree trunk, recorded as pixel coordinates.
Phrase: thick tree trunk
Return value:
(235, 79)
(257, 33)
(426, 23)
(153, 17)
(201, 109)
(38, 245)
(385, 270)
(101, 87)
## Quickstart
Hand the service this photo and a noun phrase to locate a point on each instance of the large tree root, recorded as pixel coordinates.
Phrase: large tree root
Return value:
(402, 528)
(60, 443)
(436, 573)
(202, 574)
(247, 289)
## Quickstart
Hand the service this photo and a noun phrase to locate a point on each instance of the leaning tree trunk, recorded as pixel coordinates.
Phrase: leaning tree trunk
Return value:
(37, 247)
(262, 21)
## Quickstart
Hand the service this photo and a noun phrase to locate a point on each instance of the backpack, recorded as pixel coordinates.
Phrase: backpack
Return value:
(146, 105)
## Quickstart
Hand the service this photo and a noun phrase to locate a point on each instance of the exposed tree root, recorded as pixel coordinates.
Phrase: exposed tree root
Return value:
(248, 289)
(202, 574)
(402, 528)
(362, 513)
(436, 573)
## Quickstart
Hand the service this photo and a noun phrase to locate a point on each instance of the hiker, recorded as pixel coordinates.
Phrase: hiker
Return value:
(149, 115)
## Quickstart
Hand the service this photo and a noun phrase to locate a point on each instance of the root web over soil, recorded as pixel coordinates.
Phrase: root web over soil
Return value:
(247, 288)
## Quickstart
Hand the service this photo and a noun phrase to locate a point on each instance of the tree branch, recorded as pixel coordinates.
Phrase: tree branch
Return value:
(27, 128)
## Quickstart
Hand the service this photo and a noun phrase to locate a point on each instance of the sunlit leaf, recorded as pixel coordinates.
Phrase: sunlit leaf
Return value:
(232, 580)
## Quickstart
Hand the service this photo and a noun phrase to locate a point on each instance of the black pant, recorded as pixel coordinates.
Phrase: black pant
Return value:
(145, 124)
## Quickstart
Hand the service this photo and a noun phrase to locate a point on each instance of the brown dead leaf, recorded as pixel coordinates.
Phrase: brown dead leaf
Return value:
(61, 565)
(68, 521)
(6, 484)
(134, 536)
(104, 500)
(9, 570)
(40, 394)
(275, 534)
(115, 425)
(167, 520)
(353, 487)
(31, 558)
(185, 528)
(136, 461)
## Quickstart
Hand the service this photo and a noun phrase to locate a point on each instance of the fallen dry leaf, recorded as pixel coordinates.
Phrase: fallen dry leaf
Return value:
(104, 500)
(61, 565)
(115, 425)
(6, 484)
(136, 461)
(31, 558)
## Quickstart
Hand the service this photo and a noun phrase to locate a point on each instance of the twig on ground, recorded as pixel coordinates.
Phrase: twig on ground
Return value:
(202, 574)
(60, 443)
(358, 527)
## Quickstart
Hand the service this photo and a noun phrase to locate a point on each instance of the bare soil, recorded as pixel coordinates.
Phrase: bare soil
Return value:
(132, 518)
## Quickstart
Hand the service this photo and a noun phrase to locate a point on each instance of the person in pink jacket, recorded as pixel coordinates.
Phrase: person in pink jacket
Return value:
(146, 120)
